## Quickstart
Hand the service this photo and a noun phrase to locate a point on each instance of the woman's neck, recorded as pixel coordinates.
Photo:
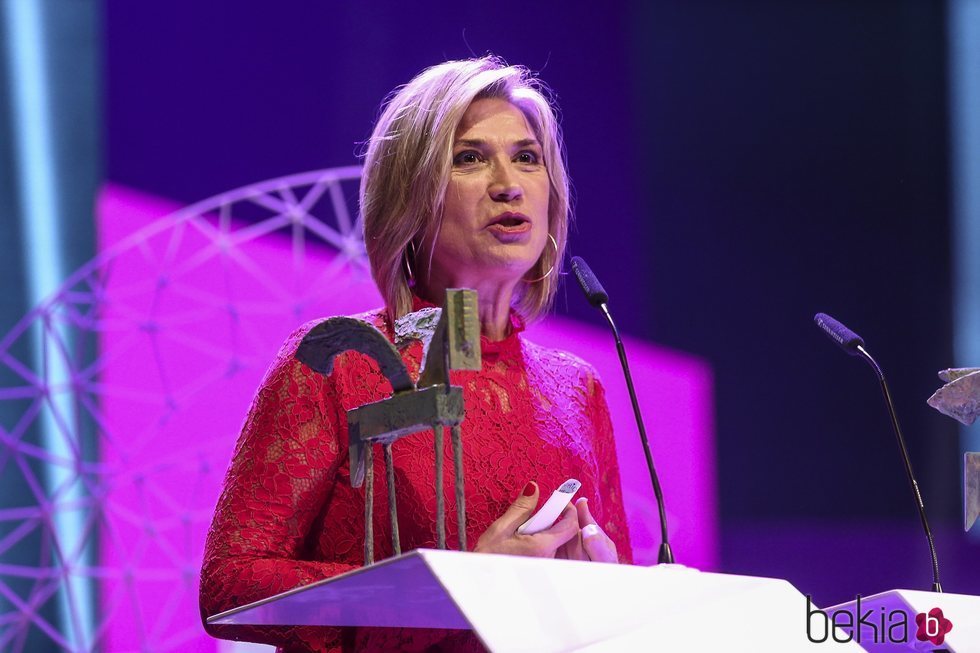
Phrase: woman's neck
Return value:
(493, 302)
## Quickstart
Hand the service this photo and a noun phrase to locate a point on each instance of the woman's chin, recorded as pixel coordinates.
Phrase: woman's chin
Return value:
(492, 261)
(509, 264)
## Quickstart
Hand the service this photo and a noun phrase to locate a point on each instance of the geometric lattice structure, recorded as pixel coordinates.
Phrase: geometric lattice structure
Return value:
(121, 398)
(123, 430)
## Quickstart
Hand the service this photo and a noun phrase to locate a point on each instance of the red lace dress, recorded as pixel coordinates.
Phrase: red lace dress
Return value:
(288, 516)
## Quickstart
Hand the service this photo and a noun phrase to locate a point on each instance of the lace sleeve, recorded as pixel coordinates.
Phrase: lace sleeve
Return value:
(612, 516)
(282, 470)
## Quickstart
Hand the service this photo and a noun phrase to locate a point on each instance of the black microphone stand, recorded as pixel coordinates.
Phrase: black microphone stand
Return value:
(853, 344)
(665, 555)
(936, 587)
(597, 296)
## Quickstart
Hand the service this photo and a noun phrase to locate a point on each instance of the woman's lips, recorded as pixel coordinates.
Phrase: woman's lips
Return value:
(511, 227)
(510, 232)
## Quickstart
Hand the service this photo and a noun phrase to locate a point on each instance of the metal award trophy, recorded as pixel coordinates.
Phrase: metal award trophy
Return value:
(451, 341)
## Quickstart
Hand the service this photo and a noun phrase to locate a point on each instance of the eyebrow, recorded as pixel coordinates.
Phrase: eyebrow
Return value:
(479, 142)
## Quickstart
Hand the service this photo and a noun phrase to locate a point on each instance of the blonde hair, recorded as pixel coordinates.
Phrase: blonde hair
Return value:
(409, 159)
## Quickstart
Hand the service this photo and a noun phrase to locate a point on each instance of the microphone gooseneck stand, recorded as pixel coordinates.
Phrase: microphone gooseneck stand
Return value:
(597, 296)
(853, 344)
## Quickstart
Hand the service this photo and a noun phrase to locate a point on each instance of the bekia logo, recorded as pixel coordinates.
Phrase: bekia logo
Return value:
(932, 626)
(874, 626)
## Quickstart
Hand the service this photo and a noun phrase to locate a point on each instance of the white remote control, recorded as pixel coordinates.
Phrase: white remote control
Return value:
(552, 508)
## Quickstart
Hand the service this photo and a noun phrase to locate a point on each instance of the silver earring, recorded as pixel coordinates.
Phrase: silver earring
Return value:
(407, 258)
(547, 274)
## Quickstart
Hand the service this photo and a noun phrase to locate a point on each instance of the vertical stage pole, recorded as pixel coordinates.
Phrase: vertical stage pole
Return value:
(963, 33)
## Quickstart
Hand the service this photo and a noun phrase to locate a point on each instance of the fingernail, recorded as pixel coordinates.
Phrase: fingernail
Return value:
(580, 500)
(590, 530)
(529, 489)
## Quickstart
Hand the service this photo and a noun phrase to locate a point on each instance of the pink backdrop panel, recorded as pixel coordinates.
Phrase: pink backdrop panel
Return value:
(675, 395)
(191, 318)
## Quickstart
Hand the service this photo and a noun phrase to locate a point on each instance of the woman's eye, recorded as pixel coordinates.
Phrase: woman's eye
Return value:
(528, 157)
(469, 157)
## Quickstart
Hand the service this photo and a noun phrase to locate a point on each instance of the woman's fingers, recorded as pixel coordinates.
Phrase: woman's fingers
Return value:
(562, 534)
(598, 546)
(502, 536)
(584, 515)
(575, 535)
(567, 522)
(572, 548)
(520, 510)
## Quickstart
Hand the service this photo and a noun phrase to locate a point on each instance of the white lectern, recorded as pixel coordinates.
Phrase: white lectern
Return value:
(534, 604)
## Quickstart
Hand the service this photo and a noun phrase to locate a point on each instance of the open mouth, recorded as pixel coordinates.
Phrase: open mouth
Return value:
(510, 220)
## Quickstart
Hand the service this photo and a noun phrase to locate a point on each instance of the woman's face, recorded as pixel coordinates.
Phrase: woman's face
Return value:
(495, 222)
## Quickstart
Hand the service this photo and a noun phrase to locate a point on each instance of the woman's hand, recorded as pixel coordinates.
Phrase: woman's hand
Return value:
(591, 543)
(502, 536)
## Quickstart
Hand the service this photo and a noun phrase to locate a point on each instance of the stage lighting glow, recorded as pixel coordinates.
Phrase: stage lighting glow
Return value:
(40, 213)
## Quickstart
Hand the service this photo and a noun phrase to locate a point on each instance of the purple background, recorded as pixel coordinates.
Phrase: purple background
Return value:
(738, 166)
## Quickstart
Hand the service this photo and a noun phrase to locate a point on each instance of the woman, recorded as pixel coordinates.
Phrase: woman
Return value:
(464, 186)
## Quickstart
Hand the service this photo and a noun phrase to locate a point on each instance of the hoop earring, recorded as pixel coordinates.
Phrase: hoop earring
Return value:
(409, 254)
(547, 274)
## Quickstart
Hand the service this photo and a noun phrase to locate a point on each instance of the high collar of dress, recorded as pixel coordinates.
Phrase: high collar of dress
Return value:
(511, 342)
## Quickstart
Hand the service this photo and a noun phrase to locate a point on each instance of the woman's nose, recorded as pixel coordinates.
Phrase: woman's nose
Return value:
(504, 186)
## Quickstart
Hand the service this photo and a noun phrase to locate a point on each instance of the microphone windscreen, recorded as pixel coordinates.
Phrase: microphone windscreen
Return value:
(594, 292)
(847, 339)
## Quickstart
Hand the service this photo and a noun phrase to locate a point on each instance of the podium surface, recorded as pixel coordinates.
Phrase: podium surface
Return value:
(534, 604)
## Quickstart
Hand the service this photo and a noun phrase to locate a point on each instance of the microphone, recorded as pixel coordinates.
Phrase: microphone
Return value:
(594, 292)
(847, 339)
(853, 344)
(597, 296)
